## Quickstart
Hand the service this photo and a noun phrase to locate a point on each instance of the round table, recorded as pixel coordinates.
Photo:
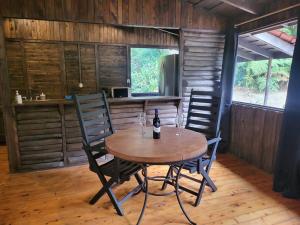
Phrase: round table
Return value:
(175, 147)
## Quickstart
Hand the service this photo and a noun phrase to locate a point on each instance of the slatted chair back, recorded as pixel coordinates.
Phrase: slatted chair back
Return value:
(95, 124)
(204, 112)
(94, 117)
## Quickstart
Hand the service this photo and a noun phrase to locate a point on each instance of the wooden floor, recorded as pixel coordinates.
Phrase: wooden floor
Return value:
(60, 196)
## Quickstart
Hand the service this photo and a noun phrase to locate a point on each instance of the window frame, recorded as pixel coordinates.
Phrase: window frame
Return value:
(268, 78)
(129, 64)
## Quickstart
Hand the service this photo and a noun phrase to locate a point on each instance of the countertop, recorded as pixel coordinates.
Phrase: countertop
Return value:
(110, 100)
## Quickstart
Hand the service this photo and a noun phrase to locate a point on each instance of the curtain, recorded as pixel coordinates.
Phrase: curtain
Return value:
(227, 79)
(287, 166)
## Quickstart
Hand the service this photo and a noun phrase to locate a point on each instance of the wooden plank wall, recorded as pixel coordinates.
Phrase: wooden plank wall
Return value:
(39, 132)
(113, 64)
(159, 13)
(74, 149)
(201, 62)
(85, 32)
(42, 60)
(255, 133)
(2, 133)
(49, 136)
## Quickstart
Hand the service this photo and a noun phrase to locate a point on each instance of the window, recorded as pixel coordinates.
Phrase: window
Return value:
(263, 67)
(146, 69)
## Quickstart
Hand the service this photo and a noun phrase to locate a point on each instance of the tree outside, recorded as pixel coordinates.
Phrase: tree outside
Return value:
(145, 68)
(250, 82)
(250, 79)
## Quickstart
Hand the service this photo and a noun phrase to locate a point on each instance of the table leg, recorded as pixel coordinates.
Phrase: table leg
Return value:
(177, 195)
(145, 187)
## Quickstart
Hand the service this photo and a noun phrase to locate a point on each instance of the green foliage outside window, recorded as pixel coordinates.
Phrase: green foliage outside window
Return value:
(252, 74)
(290, 30)
(145, 68)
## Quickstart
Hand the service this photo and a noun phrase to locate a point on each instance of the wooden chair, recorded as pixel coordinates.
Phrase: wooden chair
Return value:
(95, 124)
(203, 116)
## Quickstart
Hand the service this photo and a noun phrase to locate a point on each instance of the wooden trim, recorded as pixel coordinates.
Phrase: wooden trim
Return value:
(270, 108)
(268, 14)
(63, 75)
(97, 43)
(63, 131)
(97, 68)
(28, 79)
(79, 62)
(180, 64)
(153, 46)
(128, 66)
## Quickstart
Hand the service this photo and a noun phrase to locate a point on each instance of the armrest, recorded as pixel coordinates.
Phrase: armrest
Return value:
(214, 140)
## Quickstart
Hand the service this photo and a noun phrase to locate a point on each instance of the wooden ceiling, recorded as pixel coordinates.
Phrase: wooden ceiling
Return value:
(232, 8)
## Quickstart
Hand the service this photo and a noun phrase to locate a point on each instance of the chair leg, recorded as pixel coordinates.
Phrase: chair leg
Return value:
(209, 181)
(164, 186)
(115, 202)
(107, 187)
(201, 190)
(98, 196)
(205, 181)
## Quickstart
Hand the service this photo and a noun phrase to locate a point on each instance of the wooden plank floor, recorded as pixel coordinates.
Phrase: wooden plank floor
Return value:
(60, 196)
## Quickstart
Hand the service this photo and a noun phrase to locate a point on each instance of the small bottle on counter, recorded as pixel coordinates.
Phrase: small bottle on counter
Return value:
(42, 96)
(18, 98)
(156, 126)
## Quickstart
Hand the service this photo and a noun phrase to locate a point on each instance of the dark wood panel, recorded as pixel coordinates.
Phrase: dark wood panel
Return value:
(2, 131)
(271, 20)
(46, 144)
(16, 71)
(255, 134)
(80, 61)
(100, 33)
(74, 150)
(201, 62)
(112, 65)
(49, 135)
(44, 69)
(158, 13)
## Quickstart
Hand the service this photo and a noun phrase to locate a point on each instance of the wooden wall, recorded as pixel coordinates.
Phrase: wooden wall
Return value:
(51, 56)
(85, 32)
(201, 62)
(2, 133)
(158, 13)
(255, 133)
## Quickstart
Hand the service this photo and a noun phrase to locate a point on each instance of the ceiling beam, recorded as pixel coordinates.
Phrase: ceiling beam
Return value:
(276, 42)
(245, 5)
(245, 55)
(255, 49)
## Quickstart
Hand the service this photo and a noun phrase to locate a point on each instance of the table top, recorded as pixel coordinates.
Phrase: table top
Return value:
(133, 146)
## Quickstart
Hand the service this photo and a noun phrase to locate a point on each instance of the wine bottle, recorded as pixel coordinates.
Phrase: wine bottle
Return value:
(156, 126)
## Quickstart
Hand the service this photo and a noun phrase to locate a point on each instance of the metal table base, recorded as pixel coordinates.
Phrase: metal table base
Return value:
(174, 179)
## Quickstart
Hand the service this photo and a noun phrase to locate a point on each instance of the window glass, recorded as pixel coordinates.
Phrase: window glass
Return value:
(278, 84)
(250, 82)
(145, 69)
(257, 53)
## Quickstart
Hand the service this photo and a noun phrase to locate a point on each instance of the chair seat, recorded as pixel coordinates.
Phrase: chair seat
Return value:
(126, 169)
(192, 165)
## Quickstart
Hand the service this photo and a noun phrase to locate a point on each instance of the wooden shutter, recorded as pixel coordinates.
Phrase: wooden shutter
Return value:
(112, 65)
(200, 62)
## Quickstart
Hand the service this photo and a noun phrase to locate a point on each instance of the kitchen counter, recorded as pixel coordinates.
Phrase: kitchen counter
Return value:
(110, 100)
(48, 133)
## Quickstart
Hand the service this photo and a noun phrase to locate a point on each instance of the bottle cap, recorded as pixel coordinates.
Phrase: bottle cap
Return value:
(156, 111)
